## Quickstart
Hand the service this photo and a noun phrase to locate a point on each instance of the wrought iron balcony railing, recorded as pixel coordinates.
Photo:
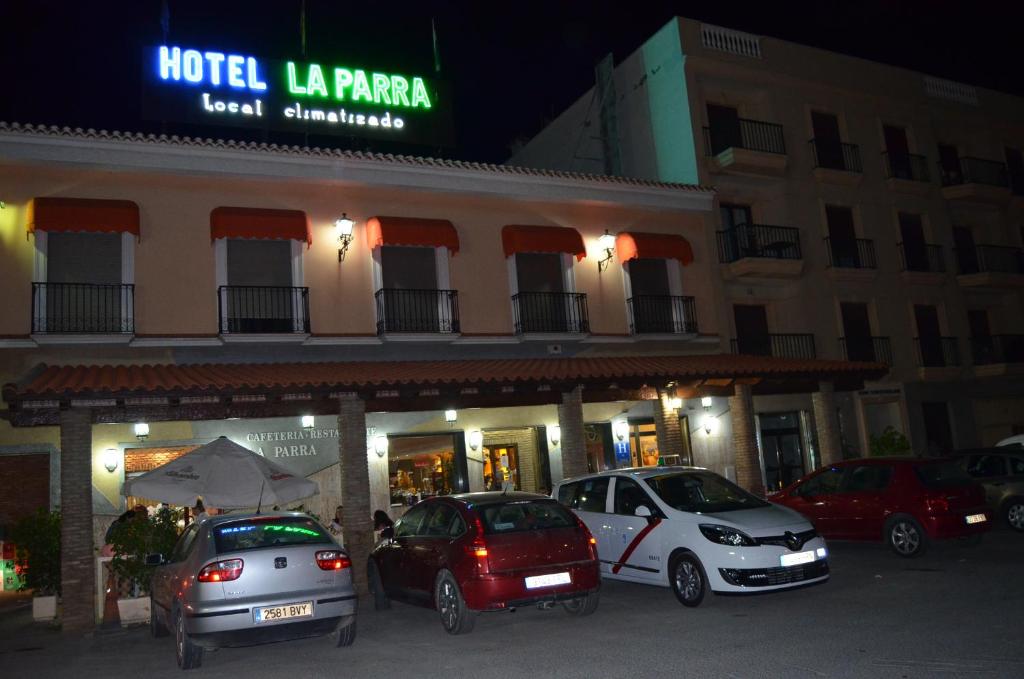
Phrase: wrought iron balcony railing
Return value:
(910, 166)
(419, 311)
(975, 171)
(937, 352)
(759, 240)
(997, 349)
(851, 254)
(872, 349)
(662, 314)
(778, 345)
(753, 135)
(558, 312)
(921, 257)
(836, 155)
(83, 308)
(990, 259)
(263, 309)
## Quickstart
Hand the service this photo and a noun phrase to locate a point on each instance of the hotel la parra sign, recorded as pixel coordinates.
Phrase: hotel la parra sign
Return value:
(208, 87)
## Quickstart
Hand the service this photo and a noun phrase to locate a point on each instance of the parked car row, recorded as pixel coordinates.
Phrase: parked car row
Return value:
(235, 580)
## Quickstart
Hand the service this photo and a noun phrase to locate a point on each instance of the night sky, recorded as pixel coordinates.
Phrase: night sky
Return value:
(512, 66)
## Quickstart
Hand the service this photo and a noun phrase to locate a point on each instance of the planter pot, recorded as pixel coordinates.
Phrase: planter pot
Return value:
(133, 611)
(44, 607)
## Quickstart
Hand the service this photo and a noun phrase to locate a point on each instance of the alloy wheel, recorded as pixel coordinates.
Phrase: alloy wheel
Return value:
(448, 602)
(688, 580)
(905, 538)
(1015, 515)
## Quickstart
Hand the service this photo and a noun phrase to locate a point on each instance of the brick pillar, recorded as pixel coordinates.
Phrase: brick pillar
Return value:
(77, 565)
(574, 440)
(744, 440)
(355, 487)
(666, 428)
(826, 421)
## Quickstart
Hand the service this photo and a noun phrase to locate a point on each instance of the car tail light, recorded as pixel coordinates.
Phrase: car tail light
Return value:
(332, 560)
(221, 571)
(478, 549)
(591, 540)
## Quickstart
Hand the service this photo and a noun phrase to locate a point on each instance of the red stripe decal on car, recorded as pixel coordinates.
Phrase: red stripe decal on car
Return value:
(634, 544)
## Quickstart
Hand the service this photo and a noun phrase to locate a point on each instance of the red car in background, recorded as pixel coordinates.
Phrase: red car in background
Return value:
(905, 501)
(463, 554)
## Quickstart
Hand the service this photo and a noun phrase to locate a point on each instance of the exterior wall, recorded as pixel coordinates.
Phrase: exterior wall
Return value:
(26, 483)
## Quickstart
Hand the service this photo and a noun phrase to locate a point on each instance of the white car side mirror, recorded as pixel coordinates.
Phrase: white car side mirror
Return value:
(642, 511)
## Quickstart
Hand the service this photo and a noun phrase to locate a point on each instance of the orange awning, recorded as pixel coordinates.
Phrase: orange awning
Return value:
(526, 238)
(83, 214)
(632, 245)
(434, 233)
(250, 222)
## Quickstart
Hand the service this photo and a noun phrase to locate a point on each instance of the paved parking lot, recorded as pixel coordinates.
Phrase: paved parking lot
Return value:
(954, 612)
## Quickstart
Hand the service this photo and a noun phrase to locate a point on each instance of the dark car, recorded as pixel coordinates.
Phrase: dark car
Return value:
(907, 502)
(473, 552)
(1001, 472)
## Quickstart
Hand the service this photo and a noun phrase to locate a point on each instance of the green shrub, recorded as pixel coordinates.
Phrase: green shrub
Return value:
(136, 537)
(37, 539)
(890, 442)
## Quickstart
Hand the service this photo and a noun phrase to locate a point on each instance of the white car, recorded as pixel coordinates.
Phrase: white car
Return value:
(1015, 441)
(692, 530)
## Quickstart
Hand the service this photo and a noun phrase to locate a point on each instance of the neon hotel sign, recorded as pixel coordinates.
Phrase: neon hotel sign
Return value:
(242, 89)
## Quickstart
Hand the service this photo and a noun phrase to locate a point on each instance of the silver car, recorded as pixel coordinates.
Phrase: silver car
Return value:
(1001, 471)
(243, 579)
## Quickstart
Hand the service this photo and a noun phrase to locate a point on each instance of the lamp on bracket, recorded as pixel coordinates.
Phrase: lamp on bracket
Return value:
(343, 228)
(607, 243)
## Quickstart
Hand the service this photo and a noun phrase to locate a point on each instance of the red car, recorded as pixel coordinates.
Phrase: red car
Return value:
(463, 554)
(905, 501)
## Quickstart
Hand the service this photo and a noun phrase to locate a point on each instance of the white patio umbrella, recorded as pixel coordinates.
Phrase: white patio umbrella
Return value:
(226, 475)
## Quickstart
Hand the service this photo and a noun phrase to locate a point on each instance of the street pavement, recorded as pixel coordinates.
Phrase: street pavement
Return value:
(955, 612)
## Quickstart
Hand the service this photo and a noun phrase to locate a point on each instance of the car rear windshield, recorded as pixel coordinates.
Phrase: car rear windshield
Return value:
(941, 474)
(268, 532)
(702, 492)
(517, 516)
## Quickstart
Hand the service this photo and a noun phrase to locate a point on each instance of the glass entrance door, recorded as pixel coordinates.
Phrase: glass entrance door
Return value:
(782, 449)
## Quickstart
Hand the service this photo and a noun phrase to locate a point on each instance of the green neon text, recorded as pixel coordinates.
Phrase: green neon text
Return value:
(356, 85)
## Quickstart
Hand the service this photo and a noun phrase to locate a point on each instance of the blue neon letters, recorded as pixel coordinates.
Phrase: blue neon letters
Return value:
(209, 68)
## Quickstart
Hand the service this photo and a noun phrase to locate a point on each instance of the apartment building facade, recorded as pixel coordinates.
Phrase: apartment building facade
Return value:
(864, 212)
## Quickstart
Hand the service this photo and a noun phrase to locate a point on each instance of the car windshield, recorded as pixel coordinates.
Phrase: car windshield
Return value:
(511, 517)
(942, 474)
(702, 492)
(262, 532)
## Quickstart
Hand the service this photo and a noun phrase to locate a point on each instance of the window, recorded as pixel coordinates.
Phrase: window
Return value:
(412, 294)
(409, 525)
(943, 474)
(440, 521)
(259, 286)
(184, 544)
(986, 466)
(585, 496)
(1016, 466)
(501, 467)
(420, 467)
(825, 483)
(868, 477)
(702, 492)
(544, 298)
(629, 495)
(643, 444)
(258, 533)
(513, 517)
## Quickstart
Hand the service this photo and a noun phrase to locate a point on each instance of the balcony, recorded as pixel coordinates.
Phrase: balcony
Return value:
(836, 162)
(550, 312)
(417, 311)
(83, 309)
(938, 358)
(907, 172)
(992, 267)
(997, 354)
(976, 180)
(922, 262)
(761, 251)
(778, 345)
(754, 147)
(851, 259)
(871, 349)
(263, 310)
(662, 315)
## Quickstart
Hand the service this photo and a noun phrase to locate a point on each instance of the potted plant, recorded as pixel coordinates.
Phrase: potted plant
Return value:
(37, 543)
(132, 538)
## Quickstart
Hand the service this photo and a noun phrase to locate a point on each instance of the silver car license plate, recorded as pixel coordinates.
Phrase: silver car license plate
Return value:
(302, 609)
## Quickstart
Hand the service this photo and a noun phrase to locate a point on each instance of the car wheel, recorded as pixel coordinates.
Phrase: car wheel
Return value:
(1015, 514)
(585, 605)
(689, 582)
(189, 655)
(455, 616)
(156, 628)
(905, 536)
(380, 597)
(345, 635)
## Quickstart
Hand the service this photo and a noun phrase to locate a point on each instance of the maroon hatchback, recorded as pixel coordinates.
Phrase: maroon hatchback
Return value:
(906, 501)
(463, 554)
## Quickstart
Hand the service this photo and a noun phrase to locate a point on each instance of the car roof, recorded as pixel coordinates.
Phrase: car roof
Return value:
(636, 472)
(495, 497)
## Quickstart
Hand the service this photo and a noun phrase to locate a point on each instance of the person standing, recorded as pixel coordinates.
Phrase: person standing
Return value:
(337, 526)
(383, 524)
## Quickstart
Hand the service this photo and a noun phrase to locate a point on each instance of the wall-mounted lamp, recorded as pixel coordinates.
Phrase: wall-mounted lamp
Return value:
(621, 430)
(706, 402)
(555, 434)
(141, 431)
(710, 424)
(450, 416)
(380, 445)
(307, 422)
(675, 403)
(607, 243)
(343, 228)
(110, 459)
(476, 439)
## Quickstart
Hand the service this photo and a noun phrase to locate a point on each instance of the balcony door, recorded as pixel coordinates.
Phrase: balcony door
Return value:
(966, 253)
(929, 335)
(83, 292)
(982, 348)
(842, 236)
(1015, 169)
(260, 296)
(410, 299)
(540, 302)
(724, 124)
(949, 161)
(915, 254)
(938, 432)
(783, 453)
(827, 142)
(651, 295)
(752, 336)
(739, 240)
(857, 331)
(898, 151)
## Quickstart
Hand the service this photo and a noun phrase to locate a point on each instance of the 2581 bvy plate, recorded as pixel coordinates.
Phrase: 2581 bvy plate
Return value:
(303, 609)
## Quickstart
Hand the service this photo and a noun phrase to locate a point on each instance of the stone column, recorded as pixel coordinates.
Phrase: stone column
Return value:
(77, 563)
(355, 487)
(826, 421)
(574, 440)
(666, 428)
(744, 440)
